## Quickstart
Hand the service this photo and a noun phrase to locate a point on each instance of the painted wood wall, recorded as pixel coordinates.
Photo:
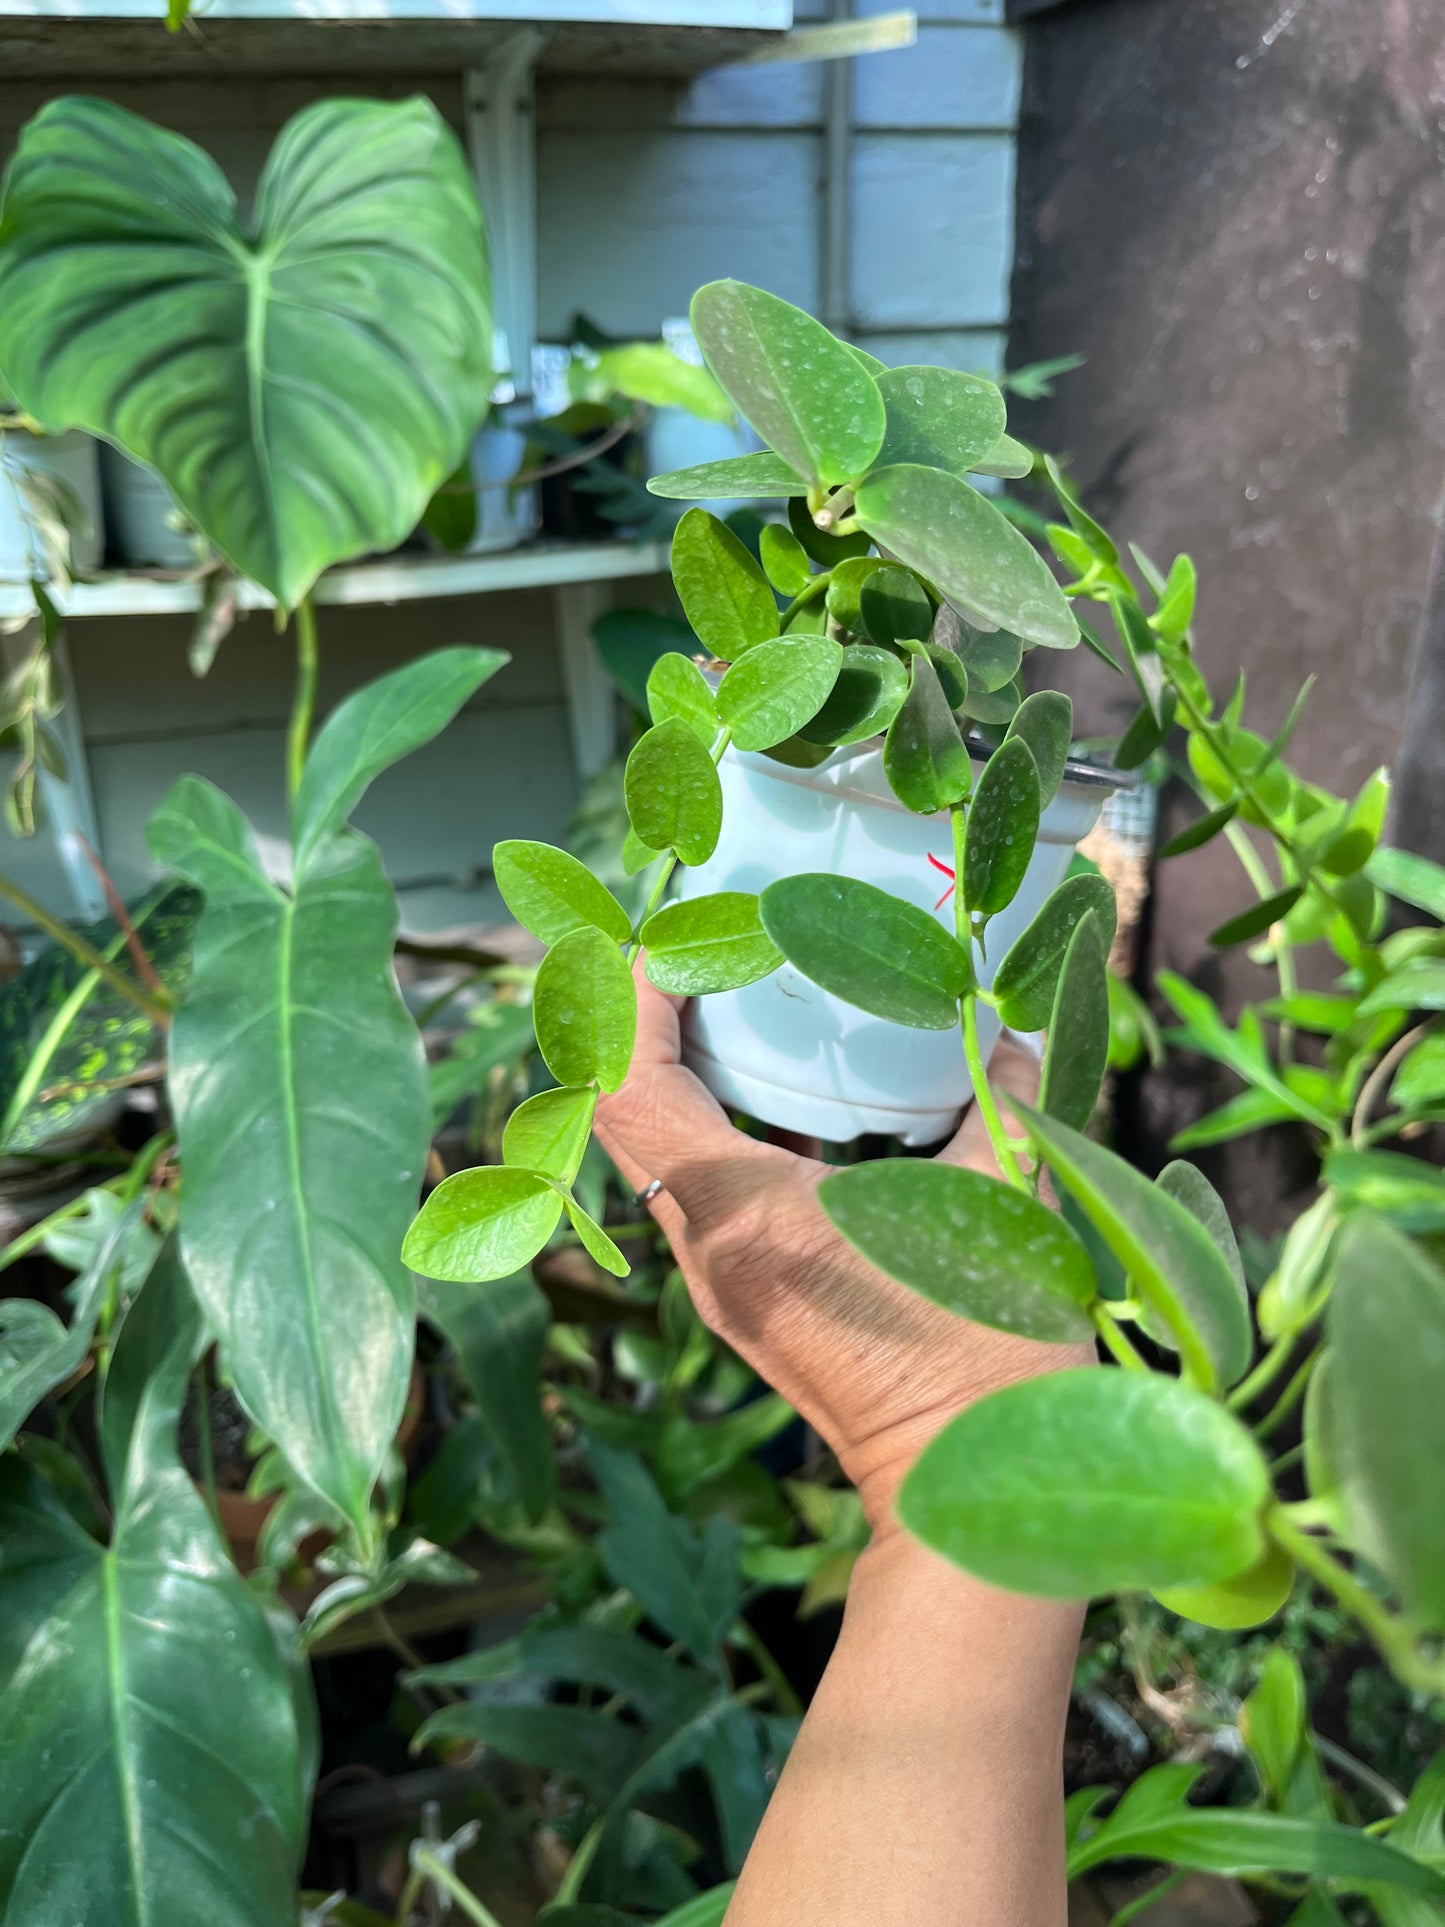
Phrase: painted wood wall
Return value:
(644, 191)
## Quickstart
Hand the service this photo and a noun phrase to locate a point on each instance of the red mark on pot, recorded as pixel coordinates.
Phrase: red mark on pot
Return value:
(948, 871)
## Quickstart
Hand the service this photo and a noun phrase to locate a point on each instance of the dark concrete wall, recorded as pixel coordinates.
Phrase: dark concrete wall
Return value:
(1236, 210)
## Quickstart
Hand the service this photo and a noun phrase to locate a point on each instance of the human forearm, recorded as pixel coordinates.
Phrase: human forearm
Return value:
(926, 1784)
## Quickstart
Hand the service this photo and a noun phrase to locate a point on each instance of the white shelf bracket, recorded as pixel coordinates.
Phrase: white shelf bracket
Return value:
(502, 141)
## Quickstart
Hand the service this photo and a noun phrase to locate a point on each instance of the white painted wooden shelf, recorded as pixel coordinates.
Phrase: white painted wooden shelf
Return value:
(543, 565)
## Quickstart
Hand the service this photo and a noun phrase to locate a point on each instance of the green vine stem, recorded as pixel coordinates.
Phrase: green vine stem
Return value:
(1265, 1372)
(157, 1008)
(1290, 1397)
(426, 1866)
(1003, 1149)
(1118, 1342)
(1392, 1635)
(303, 708)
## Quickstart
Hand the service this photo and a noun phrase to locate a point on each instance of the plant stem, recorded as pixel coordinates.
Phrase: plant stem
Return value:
(36, 1234)
(787, 1699)
(998, 1137)
(578, 1866)
(158, 1009)
(440, 1874)
(303, 708)
(1118, 1341)
(1264, 1374)
(1132, 1909)
(817, 585)
(1377, 1080)
(1390, 1634)
(1290, 1397)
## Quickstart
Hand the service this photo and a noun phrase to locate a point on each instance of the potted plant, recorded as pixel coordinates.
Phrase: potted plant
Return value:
(849, 759)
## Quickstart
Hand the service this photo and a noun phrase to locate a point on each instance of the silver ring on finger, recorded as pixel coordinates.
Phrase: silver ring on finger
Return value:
(648, 1192)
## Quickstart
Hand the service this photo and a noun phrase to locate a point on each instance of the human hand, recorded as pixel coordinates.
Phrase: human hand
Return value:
(875, 1368)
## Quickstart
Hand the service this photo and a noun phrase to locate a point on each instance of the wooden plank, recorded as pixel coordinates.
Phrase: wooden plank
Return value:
(933, 230)
(960, 78)
(632, 223)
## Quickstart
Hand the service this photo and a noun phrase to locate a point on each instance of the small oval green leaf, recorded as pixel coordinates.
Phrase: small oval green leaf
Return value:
(1026, 979)
(802, 390)
(924, 758)
(677, 687)
(723, 592)
(777, 687)
(482, 1224)
(550, 893)
(1078, 1048)
(939, 418)
(967, 1242)
(1230, 1605)
(595, 1241)
(549, 1132)
(1172, 1263)
(708, 944)
(1259, 918)
(1007, 458)
(871, 949)
(760, 477)
(990, 657)
(673, 796)
(785, 560)
(940, 526)
(1003, 826)
(1089, 1481)
(1045, 721)
(871, 686)
(1195, 835)
(585, 1008)
(893, 607)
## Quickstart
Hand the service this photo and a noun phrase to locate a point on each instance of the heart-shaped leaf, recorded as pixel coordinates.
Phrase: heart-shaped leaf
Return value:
(924, 758)
(871, 686)
(291, 1045)
(967, 1242)
(551, 894)
(1045, 721)
(1078, 1048)
(482, 1224)
(1172, 1263)
(1028, 976)
(760, 477)
(301, 384)
(777, 687)
(940, 526)
(152, 1768)
(549, 1132)
(869, 948)
(1387, 1365)
(939, 418)
(673, 796)
(375, 727)
(723, 592)
(1088, 1481)
(1003, 826)
(677, 687)
(799, 386)
(584, 1006)
(708, 944)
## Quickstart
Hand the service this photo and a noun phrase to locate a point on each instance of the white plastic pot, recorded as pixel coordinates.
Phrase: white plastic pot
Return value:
(789, 1053)
(72, 460)
(506, 516)
(138, 516)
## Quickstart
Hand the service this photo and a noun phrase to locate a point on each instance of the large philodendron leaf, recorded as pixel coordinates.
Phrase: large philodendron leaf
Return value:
(303, 383)
(301, 1107)
(152, 1769)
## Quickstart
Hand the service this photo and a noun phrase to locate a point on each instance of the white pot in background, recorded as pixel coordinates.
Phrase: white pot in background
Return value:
(676, 439)
(72, 460)
(139, 511)
(506, 516)
(789, 1053)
